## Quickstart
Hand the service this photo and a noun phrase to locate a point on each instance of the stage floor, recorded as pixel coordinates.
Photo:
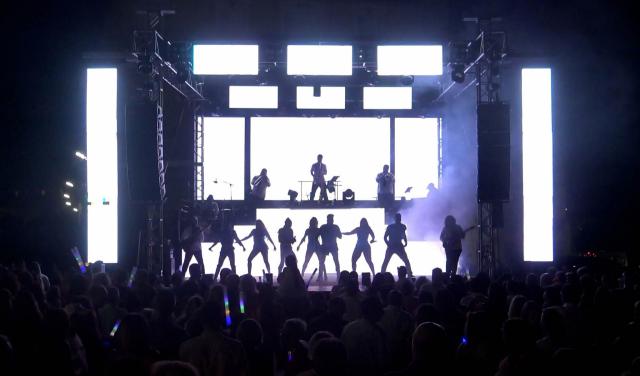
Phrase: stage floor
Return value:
(424, 255)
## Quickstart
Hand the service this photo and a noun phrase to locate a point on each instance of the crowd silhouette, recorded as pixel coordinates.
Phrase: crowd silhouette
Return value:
(573, 320)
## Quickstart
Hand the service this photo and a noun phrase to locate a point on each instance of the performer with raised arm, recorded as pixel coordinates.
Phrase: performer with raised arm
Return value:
(362, 245)
(286, 240)
(259, 185)
(329, 233)
(313, 246)
(192, 243)
(396, 239)
(318, 171)
(227, 237)
(259, 245)
(386, 186)
(451, 237)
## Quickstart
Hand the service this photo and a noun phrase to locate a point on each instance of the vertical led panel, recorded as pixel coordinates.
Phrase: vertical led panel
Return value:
(223, 161)
(220, 59)
(253, 97)
(409, 60)
(537, 164)
(102, 165)
(417, 155)
(387, 98)
(313, 60)
(330, 98)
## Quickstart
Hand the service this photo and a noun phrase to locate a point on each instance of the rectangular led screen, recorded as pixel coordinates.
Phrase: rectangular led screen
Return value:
(220, 59)
(102, 164)
(223, 162)
(330, 98)
(537, 164)
(253, 97)
(417, 155)
(387, 98)
(354, 149)
(314, 60)
(410, 60)
(423, 255)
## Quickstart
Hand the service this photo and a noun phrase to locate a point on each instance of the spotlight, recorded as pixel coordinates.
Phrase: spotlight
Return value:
(406, 80)
(292, 196)
(144, 64)
(75, 210)
(68, 184)
(66, 195)
(317, 91)
(457, 73)
(67, 203)
(348, 196)
(81, 155)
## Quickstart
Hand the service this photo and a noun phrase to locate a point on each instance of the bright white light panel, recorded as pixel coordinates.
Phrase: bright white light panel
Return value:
(410, 60)
(416, 162)
(330, 98)
(424, 255)
(354, 149)
(219, 59)
(537, 164)
(253, 97)
(224, 157)
(387, 98)
(102, 165)
(314, 60)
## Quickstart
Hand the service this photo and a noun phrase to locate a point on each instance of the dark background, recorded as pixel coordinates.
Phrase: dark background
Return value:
(591, 45)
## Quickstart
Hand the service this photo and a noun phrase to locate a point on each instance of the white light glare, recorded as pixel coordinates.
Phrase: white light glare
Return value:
(537, 164)
(253, 97)
(232, 59)
(310, 60)
(66, 195)
(409, 60)
(67, 203)
(387, 98)
(68, 184)
(75, 210)
(102, 164)
(81, 155)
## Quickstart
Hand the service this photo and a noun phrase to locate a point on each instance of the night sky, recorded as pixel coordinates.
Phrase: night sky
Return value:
(593, 45)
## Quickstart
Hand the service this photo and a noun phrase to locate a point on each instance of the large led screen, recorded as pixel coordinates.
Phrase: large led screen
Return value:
(417, 155)
(223, 162)
(355, 149)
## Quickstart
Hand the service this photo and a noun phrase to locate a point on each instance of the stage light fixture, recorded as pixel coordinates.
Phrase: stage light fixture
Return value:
(537, 164)
(348, 196)
(67, 203)
(68, 184)
(75, 210)
(81, 155)
(293, 195)
(457, 73)
(410, 60)
(406, 80)
(144, 64)
(66, 195)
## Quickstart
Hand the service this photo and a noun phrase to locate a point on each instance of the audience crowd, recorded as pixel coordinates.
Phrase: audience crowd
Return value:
(566, 321)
